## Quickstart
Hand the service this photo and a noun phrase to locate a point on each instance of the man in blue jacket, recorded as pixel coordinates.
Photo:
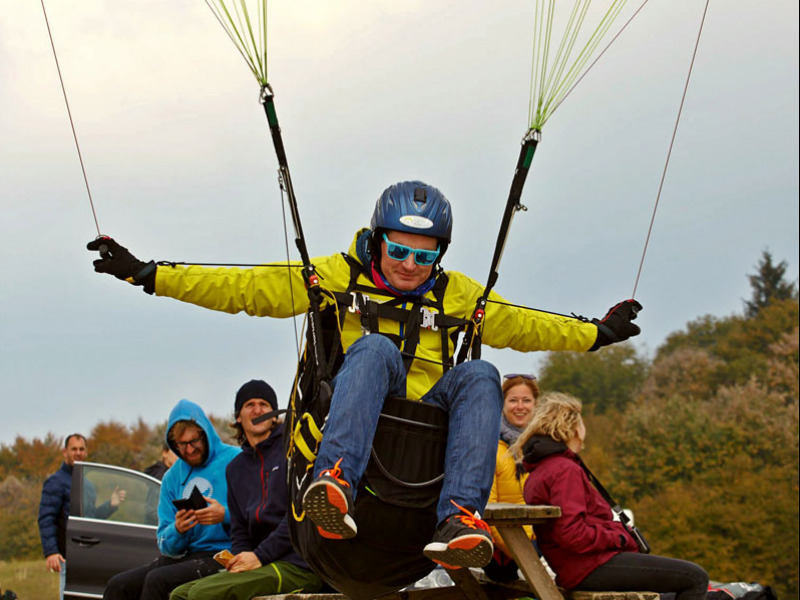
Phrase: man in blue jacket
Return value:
(54, 507)
(263, 562)
(187, 538)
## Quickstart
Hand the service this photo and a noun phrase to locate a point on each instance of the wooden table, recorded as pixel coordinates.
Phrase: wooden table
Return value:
(509, 520)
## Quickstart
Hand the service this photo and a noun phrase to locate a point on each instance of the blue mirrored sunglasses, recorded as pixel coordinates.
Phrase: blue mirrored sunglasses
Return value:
(527, 376)
(423, 258)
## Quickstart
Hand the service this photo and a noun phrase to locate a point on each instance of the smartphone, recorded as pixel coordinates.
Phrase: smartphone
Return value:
(195, 501)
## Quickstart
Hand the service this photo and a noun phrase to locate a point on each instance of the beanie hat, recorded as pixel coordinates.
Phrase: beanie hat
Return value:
(255, 388)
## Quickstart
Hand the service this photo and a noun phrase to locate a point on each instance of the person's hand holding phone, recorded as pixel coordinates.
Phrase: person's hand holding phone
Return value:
(185, 520)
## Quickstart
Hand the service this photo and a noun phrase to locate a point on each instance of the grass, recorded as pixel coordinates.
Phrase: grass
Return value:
(29, 579)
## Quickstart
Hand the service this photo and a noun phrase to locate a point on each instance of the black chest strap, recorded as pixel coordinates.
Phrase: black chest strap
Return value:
(423, 314)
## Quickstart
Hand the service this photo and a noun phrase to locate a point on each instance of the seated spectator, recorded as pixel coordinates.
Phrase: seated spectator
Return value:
(263, 562)
(520, 392)
(187, 539)
(157, 470)
(585, 546)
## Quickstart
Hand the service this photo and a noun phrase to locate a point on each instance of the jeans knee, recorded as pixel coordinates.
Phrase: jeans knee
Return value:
(375, 346)
(485, 369)
(481, 372)
(374, 343)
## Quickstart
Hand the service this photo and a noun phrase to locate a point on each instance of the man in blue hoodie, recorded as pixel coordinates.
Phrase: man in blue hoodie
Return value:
(262, 562)
(187, 538)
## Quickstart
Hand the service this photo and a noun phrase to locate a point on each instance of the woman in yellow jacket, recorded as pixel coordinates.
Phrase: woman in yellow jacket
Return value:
(520, 393)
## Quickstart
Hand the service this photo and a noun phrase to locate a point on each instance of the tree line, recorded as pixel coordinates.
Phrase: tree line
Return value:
(700, 441)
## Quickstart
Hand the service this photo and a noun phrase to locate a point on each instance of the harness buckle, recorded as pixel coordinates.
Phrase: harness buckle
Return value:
(428, 319)
(359, 300)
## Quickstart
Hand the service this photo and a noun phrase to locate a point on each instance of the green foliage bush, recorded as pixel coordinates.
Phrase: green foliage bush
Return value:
(606, 380)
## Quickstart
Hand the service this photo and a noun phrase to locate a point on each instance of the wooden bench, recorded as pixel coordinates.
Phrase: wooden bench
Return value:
(509, 520)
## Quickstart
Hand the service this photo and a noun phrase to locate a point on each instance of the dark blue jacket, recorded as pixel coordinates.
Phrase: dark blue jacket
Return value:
(54, 509)
(257, 501)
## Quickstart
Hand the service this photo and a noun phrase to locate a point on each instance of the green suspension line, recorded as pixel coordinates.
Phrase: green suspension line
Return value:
(248, 33)
(554, 73)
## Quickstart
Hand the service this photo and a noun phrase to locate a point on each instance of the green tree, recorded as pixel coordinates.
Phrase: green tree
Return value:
(739, 347)
(31, 459)
(768, 284)
(604, 380)
(19, 506)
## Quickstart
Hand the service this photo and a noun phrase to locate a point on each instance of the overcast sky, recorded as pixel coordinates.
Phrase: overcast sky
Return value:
(370, 92)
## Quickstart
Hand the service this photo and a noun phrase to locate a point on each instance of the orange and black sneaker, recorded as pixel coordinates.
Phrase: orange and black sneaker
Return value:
(462, 540)
(328, 502)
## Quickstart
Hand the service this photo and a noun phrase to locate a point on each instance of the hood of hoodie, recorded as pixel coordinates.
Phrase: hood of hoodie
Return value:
(185, 410)
(539, 447)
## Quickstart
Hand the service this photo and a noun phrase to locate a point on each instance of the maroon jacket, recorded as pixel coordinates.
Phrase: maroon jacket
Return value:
(585, 536)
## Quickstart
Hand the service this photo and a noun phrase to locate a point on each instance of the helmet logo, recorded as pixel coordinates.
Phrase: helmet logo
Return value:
(416, 222)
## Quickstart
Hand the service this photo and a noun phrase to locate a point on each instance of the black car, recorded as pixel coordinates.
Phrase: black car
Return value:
(98, 548)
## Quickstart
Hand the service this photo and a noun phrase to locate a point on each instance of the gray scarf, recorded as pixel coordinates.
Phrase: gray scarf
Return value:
(508, 432)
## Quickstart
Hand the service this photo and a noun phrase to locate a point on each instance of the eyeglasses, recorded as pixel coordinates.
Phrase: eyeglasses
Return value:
(423, 258)
(196, 443)
(527, 376)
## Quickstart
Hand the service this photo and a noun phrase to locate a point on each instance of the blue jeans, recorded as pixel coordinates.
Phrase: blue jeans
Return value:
(470, 393)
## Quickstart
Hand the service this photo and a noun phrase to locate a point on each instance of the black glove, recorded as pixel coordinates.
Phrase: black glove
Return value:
(616, 326)
(117, 261)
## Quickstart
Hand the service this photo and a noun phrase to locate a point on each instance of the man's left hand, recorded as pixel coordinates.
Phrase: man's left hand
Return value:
(244, 561)
(212, 514)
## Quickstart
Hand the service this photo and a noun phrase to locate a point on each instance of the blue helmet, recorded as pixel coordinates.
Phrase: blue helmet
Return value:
(414, 207)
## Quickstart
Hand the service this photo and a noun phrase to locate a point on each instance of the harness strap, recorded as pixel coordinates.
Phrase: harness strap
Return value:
(423, 314)
(427, 319)
(299, 440)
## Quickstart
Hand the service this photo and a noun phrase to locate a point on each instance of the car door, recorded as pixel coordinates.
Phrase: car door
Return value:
(102, 540)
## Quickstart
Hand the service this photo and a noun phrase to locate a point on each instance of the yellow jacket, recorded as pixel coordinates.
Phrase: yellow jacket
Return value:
(507, 488)
(278, 291)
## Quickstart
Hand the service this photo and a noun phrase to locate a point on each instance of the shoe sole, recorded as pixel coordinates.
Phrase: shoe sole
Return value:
(326, 505)
(466, 551)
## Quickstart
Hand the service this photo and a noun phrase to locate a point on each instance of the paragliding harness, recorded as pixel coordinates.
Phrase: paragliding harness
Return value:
(395, 502)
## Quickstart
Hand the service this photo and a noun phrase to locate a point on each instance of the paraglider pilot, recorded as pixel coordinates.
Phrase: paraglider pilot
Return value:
(399, 314)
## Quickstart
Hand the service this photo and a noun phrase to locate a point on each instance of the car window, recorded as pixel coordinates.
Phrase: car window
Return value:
(140, 492)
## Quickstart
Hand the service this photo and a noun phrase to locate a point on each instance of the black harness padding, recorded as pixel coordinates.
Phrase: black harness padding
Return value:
(395, 505)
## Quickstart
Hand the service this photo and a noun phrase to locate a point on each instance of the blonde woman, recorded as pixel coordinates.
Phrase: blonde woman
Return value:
(585, 547)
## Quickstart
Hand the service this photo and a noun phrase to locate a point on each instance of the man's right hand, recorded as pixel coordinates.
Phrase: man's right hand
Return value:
(185, 520)
(117, 261)
(54, 562)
